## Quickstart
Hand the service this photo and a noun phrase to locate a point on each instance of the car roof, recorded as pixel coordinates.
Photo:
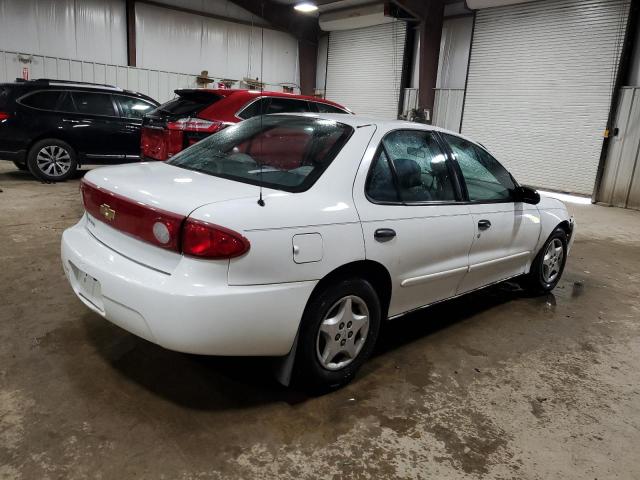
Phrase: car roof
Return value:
(227, 92)
(358, 121)
(45, 83)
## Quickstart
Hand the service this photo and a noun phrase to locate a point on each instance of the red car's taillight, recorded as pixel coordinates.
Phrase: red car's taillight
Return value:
(4, 116)
(195, 125)
(202, 239)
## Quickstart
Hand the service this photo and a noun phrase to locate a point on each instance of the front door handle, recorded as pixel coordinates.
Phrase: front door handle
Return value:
(484, 224)
(384, 234)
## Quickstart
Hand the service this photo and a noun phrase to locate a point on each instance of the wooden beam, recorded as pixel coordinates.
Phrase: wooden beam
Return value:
(307, 59)
(430, 34)
(131, 32)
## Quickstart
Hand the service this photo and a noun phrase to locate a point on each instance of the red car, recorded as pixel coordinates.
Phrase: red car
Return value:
(197, 113)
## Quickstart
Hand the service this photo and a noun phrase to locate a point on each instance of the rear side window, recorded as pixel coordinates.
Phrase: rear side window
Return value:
(419, 168)
(326, 108)
(259, 107)
(43, 100)
(189, 103)
(287, 105)
(133, 107)
(93, 103)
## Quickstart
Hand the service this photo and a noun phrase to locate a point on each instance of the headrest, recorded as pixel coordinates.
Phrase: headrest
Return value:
(409, 174)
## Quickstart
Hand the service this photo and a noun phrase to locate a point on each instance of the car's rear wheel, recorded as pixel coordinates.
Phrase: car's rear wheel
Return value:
(339, 330)
(20, 166)
(52, 160)
(548, 266)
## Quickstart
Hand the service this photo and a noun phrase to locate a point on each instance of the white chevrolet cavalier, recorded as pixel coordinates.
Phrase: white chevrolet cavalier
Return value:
(297, 235)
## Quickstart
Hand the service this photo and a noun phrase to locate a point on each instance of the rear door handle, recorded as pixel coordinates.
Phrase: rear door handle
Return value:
(484, 224)
(384, 234)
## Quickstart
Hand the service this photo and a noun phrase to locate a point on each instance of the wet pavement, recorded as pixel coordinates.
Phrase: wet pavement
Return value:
(493, 385)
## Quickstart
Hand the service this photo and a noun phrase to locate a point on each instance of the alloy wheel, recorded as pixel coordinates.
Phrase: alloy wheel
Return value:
(342, 333)
(552, 260)
(53, 160)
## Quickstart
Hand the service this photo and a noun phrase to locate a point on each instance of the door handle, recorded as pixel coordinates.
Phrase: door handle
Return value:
(484, 224)
(384, 234)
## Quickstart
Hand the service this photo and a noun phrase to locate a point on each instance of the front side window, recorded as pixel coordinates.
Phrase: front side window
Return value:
(419, 168)
(43, 100)
(486, 179)
(282, 152)
(133, 107)
(93, 103)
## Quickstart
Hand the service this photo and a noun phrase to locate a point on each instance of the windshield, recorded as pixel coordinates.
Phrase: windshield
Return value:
(284, 152)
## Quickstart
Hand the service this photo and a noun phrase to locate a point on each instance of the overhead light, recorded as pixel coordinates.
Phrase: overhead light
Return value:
(306, 7)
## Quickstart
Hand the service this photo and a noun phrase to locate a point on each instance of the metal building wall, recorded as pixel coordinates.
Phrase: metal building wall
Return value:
(157, 84)
(365, 67)
(541, 77)
(93, 30)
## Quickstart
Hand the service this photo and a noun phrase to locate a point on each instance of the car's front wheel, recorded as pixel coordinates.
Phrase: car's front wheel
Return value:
(338, 333)
(52, 160)
(548, 266)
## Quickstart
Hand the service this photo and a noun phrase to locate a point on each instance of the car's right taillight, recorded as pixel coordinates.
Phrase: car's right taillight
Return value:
(4, 116)
(206, 240)
(185, 132)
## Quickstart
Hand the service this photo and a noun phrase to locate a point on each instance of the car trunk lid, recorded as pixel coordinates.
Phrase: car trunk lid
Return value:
(125, 204)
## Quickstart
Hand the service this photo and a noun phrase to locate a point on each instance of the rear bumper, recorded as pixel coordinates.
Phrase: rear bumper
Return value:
(179, 312)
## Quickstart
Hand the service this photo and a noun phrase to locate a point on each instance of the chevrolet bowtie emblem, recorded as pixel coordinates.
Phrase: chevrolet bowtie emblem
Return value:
(107, 212)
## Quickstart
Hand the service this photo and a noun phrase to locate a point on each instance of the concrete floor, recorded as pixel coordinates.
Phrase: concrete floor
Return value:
(494, 385)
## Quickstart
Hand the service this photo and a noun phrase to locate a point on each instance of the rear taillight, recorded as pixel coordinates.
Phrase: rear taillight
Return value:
(202, 239)
(4, 116)
(161, 228)
(139, 220)
(195, 125)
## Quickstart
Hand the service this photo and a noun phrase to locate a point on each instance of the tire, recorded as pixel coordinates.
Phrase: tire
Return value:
(52, 160)
(21, 166)
(548, 266)
(345, 349)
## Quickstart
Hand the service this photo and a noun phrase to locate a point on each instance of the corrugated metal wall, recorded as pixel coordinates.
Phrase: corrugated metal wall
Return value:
(541, 77)
(620, 184)
(157, 84)
(447, 108)
(166, 40)
(365, 68)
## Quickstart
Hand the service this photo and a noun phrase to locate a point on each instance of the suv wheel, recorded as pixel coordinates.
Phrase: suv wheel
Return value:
(52, 160)
(338, 333)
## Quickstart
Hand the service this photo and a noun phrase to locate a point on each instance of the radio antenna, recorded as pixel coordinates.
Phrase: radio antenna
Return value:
(260, 102)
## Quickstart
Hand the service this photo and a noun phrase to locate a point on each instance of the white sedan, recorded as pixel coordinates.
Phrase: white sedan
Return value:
(297, 235)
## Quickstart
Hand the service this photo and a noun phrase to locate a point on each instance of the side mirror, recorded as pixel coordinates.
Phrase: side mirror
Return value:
(526, 195)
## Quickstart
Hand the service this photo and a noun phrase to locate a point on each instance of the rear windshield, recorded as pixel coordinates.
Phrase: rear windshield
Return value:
(284, 152)
(189, 103)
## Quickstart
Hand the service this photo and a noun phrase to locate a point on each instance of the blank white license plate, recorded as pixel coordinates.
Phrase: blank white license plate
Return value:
(88, 287)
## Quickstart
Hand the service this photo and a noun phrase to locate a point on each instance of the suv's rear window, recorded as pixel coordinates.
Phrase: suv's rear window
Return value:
(189, 103)
(281, 151)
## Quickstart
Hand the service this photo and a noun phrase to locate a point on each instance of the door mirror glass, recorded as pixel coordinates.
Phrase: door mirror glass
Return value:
(526, 195)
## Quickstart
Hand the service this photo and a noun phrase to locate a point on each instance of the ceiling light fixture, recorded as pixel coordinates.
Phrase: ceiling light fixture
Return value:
(306, 7)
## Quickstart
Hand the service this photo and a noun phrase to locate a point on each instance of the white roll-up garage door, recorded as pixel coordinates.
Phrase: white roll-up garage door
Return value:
(541, 76)
(364, 68)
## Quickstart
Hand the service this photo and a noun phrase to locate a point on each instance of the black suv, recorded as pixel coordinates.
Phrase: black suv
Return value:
(52, 126)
